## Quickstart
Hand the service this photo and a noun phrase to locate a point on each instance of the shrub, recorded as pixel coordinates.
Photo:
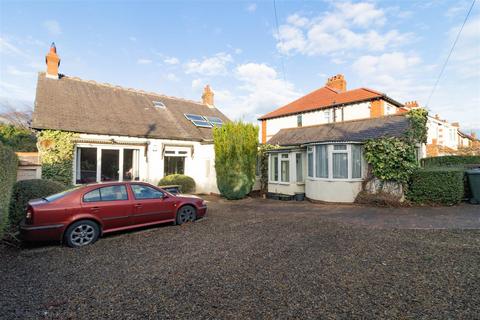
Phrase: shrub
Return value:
(437, 186)
(19, 139)
(449, 161)
(236, 145)
(187, 184)
(56, 153)
(8, 176)
(26, 190)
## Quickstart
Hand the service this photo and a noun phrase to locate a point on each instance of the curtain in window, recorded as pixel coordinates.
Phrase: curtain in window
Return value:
(321, 164)
(340, 165)
(285, 169)
(299, 167)
(310, 162)
(274, 168)
(356, 161)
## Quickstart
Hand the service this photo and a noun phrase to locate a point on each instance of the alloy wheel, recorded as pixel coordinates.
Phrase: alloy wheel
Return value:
(82, 235)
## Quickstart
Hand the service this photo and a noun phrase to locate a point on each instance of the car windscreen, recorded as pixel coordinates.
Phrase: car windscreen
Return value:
(59, 195)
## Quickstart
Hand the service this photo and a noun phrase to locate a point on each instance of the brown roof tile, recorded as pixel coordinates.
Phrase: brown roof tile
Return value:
(355, 131)
(76, 105)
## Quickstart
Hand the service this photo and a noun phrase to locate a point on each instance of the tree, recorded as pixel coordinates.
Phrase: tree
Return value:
(18, 138)
(236, 145)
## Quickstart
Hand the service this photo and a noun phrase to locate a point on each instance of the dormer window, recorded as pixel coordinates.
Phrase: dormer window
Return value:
(159, 104)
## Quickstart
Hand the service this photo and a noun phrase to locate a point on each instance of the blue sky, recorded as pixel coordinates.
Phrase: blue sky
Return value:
(175, 48)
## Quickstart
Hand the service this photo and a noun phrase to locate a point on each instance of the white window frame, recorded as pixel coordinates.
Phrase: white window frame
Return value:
(100, 147)
(279, 160)
(330, 152)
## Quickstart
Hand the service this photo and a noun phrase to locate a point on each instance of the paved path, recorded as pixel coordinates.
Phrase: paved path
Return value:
(464, 216)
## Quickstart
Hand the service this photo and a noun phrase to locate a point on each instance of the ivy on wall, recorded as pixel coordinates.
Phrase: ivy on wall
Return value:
(395, 159)
(56, 153)
(263, 163)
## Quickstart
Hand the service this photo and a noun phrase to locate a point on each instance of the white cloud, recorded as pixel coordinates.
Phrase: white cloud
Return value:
(386, 64)
(197, 83)
(144, 61)
(212, 66)
(172, 77)
(260, 91)
(348, 27)
(53, 27)
(252, 7)
(171, 60)
(8, 48)
(11, 70)
(238, 51)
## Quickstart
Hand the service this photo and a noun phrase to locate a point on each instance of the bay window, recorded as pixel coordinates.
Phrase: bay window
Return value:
(285, 168)
(335, 161)
(321, 161)
(310, 161)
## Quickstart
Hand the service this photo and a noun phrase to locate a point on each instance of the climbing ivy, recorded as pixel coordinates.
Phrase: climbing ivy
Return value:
(395, 159)
(263, 163)
(56, 153)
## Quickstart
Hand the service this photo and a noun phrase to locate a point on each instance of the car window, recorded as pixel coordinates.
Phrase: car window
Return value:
(111, 193)
(92, 196)
(59, 195)
(144, 192)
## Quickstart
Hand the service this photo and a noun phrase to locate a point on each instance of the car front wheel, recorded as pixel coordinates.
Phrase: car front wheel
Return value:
(186, 214)
(82, 233)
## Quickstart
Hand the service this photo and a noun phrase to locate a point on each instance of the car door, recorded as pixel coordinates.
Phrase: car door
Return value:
(111, 205)
(151, 205)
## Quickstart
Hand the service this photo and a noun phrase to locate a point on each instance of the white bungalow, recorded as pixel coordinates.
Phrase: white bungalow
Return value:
(326, 161)
(126, 134)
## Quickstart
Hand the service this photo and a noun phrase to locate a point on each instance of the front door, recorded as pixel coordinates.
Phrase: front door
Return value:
(151, 205)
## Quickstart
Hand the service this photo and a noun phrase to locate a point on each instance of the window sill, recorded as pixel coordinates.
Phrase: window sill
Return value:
(280, 183)
(335, 180)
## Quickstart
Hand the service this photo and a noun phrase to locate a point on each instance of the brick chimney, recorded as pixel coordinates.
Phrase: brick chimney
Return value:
(456, 124)
(53, 62)
(411, 104)
(207, 96)
(337, 83)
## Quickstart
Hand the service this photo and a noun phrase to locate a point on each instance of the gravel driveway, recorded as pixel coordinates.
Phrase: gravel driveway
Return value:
(250, 259)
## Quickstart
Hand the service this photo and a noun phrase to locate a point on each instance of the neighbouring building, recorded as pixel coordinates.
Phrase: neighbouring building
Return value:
(329, 104)
(126, 134)
(28, 166)
(321, 136)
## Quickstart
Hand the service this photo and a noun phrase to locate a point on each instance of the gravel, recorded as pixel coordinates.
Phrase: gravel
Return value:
(250, 259)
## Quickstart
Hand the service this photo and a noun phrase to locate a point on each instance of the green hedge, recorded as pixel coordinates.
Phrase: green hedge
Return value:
(26, 190)
(449, 161)
(437, 186)
(187, 184)
(8, 176)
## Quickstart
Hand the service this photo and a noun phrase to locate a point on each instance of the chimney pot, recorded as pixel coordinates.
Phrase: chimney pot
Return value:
(207, 96)
(53, 62)
(337, 82)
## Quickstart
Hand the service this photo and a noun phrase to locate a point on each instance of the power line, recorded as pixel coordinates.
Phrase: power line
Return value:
(281, 40)
(449, 54)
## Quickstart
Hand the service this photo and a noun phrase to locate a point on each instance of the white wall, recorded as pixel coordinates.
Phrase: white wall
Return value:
(200, 165)
(332, 191)
(350, 112)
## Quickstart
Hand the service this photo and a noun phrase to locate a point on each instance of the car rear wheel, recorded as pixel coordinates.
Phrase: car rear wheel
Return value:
(186, 214)
(82, 233)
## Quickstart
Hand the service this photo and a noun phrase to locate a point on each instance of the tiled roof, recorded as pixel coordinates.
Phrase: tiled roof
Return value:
(76, 105)
(326, 97)
(354, 131)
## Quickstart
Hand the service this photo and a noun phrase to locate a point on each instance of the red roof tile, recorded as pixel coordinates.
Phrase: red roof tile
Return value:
(323, 98)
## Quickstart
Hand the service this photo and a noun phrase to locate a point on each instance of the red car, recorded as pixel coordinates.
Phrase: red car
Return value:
(80, 215)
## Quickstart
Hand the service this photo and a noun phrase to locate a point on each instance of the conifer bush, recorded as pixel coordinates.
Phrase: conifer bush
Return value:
(236, 147)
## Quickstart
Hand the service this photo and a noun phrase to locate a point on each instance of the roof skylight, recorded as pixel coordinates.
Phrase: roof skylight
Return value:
(159, 104)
